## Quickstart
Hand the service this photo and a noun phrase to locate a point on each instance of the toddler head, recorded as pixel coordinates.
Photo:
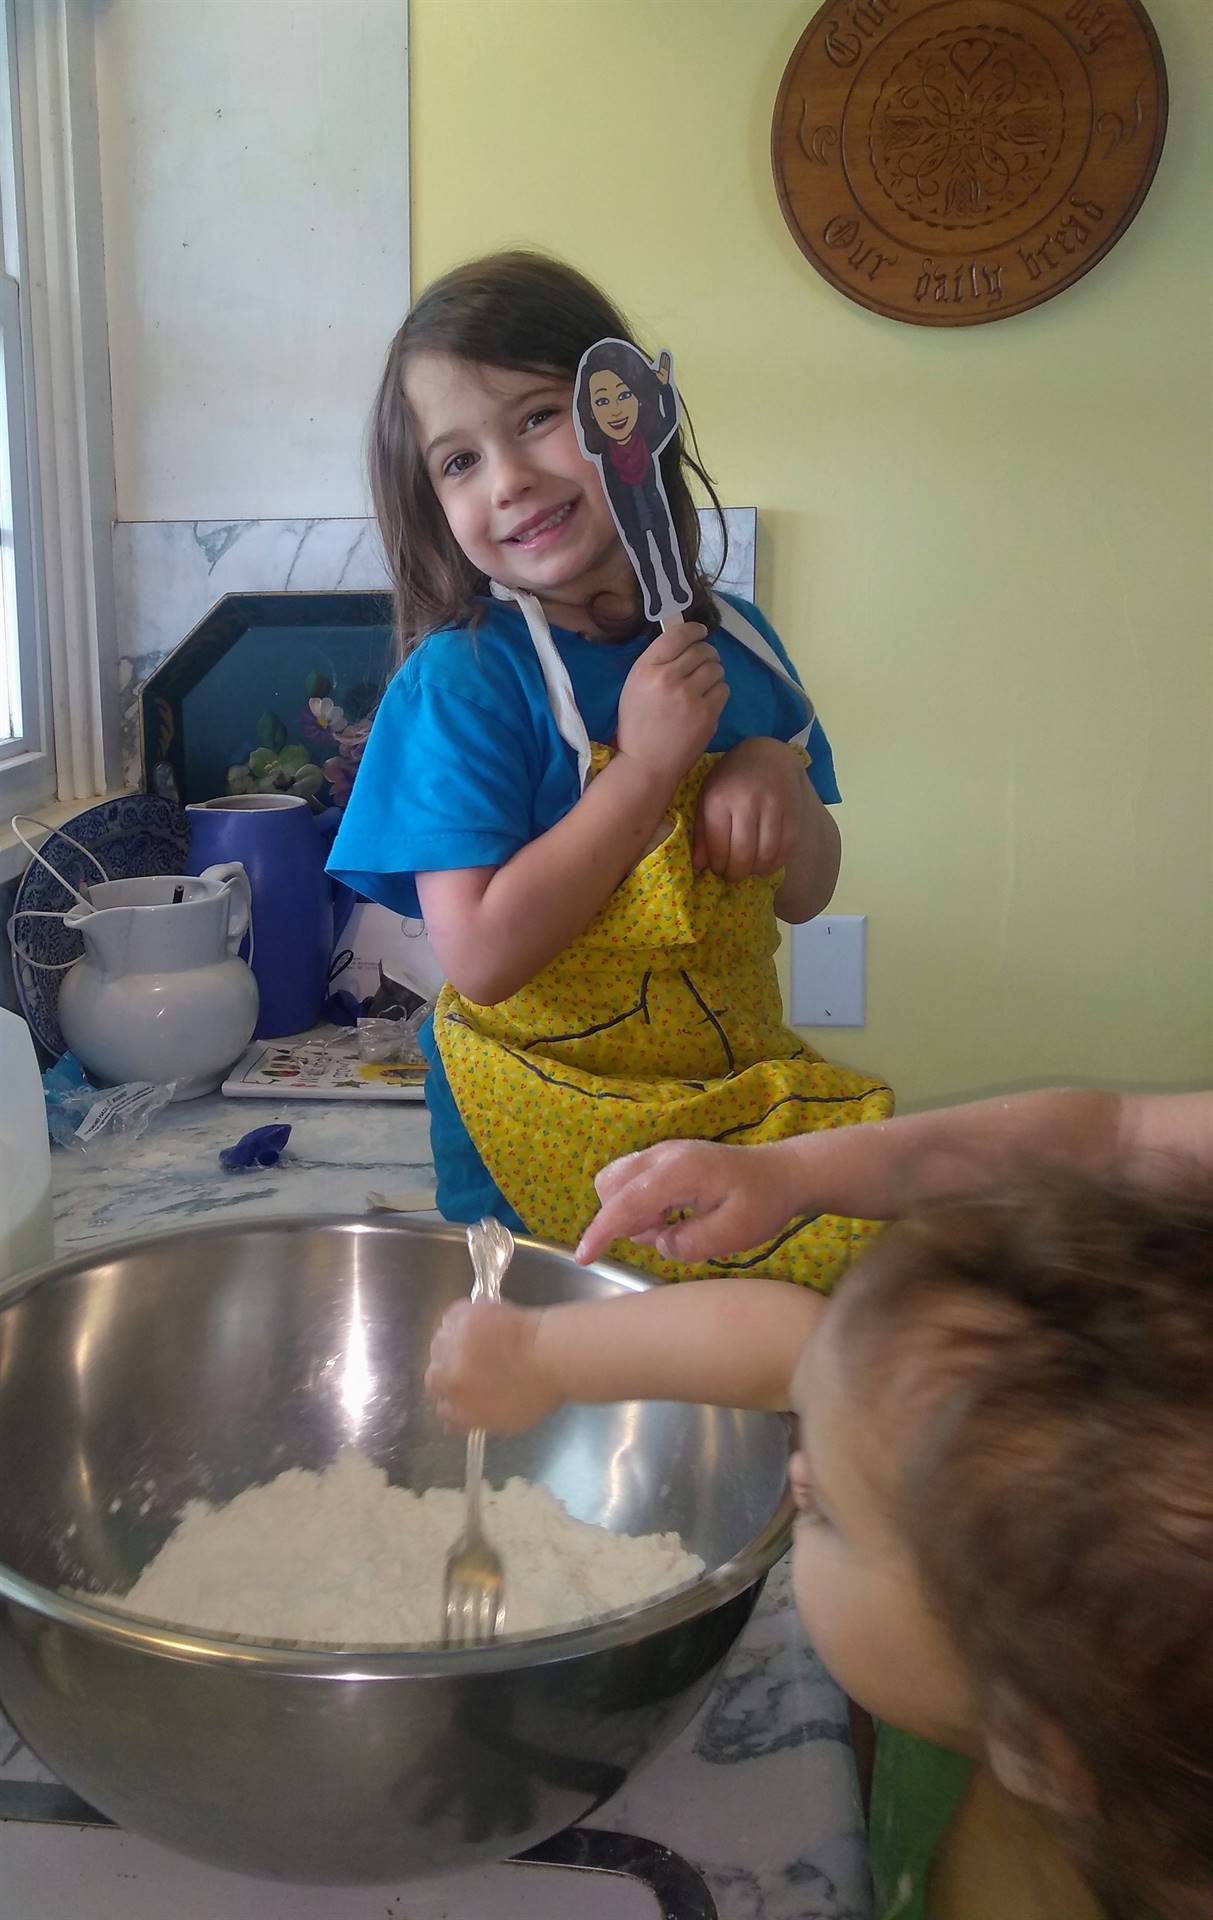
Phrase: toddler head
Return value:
(521, 313)
(1006, 1541)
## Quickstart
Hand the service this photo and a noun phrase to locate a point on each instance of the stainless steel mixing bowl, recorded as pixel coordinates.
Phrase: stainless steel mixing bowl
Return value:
(136, 1377)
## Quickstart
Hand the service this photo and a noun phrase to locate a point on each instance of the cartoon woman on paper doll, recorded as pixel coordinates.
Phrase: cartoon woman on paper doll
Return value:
(626, 411)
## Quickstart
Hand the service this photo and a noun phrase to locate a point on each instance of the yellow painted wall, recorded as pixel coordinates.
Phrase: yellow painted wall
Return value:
(987, 548)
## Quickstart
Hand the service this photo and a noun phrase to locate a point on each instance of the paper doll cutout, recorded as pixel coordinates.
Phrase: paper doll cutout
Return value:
(625, 409)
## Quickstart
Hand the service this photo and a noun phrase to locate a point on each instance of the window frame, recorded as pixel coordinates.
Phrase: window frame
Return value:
(55, 216)
(27, 759)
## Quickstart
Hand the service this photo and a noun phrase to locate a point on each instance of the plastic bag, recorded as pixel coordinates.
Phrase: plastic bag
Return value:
(393, 1041)
(98, 1122)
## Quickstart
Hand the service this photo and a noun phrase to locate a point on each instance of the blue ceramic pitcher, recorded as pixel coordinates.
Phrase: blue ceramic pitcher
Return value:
(282, 846)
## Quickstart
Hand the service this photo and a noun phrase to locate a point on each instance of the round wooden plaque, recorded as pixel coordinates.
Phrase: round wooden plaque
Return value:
(948, 162)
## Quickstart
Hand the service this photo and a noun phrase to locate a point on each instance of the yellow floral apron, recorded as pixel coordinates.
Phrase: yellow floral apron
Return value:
(662, 1021)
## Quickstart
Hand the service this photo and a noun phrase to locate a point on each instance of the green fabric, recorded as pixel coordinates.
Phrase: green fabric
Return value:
(916, 1789)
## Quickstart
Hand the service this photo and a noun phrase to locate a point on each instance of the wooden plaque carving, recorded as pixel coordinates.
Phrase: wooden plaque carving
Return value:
(948, 162)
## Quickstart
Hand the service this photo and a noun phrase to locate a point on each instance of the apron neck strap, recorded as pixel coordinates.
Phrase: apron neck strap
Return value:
(555, 676)
(565, 711)
(757, 643)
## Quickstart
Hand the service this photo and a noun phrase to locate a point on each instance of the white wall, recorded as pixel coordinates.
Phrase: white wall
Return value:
(254, 165)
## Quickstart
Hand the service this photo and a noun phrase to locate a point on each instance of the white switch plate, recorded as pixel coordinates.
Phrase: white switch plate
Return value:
(829, 957)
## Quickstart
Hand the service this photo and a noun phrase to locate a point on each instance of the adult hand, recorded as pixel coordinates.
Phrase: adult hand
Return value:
(734, 1197)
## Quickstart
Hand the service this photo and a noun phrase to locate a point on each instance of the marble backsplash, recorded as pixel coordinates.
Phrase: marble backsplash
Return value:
(169, 573)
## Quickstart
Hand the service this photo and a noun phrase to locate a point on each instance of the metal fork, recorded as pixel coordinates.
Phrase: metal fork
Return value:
(474, 1597)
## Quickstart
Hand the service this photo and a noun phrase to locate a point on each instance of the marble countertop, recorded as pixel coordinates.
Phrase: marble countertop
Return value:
(339, 1151)
(759, 1792)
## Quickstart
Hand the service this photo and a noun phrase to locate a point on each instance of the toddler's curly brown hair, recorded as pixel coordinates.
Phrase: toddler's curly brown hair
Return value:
(1052, 1412)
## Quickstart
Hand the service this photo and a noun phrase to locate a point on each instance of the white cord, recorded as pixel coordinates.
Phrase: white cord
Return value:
(36, 913)
(43, 966)
(54, 873)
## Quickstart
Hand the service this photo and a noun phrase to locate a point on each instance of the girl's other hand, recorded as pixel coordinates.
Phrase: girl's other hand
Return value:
(751, 810)
(484, 1369)
(671, 702)
(735, 1197)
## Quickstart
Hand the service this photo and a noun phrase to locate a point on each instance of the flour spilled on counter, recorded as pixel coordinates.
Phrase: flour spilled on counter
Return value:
(344, 1559)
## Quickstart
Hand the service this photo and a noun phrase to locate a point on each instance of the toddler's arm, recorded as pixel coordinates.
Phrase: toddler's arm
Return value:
(737, 1197)
(731, 1343)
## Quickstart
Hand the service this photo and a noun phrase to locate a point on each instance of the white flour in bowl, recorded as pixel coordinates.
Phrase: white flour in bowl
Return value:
(344, 1559)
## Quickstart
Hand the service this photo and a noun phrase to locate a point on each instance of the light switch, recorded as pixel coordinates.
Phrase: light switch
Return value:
(829, 959)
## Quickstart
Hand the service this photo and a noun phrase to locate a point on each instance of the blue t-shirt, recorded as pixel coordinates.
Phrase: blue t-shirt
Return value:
(464, 766)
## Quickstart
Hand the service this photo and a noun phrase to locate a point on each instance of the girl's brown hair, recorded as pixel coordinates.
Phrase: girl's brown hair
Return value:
(528, 313)
(1051, 1405)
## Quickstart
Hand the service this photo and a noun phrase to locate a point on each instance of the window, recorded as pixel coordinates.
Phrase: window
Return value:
(26, 756)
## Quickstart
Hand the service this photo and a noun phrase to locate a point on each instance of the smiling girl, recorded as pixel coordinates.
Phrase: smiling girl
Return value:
(598, 822)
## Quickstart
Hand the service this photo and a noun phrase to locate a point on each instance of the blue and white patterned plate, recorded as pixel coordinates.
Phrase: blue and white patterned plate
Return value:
(134, 837)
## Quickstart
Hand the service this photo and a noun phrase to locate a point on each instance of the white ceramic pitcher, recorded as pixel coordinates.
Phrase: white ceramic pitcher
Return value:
(159, 993)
